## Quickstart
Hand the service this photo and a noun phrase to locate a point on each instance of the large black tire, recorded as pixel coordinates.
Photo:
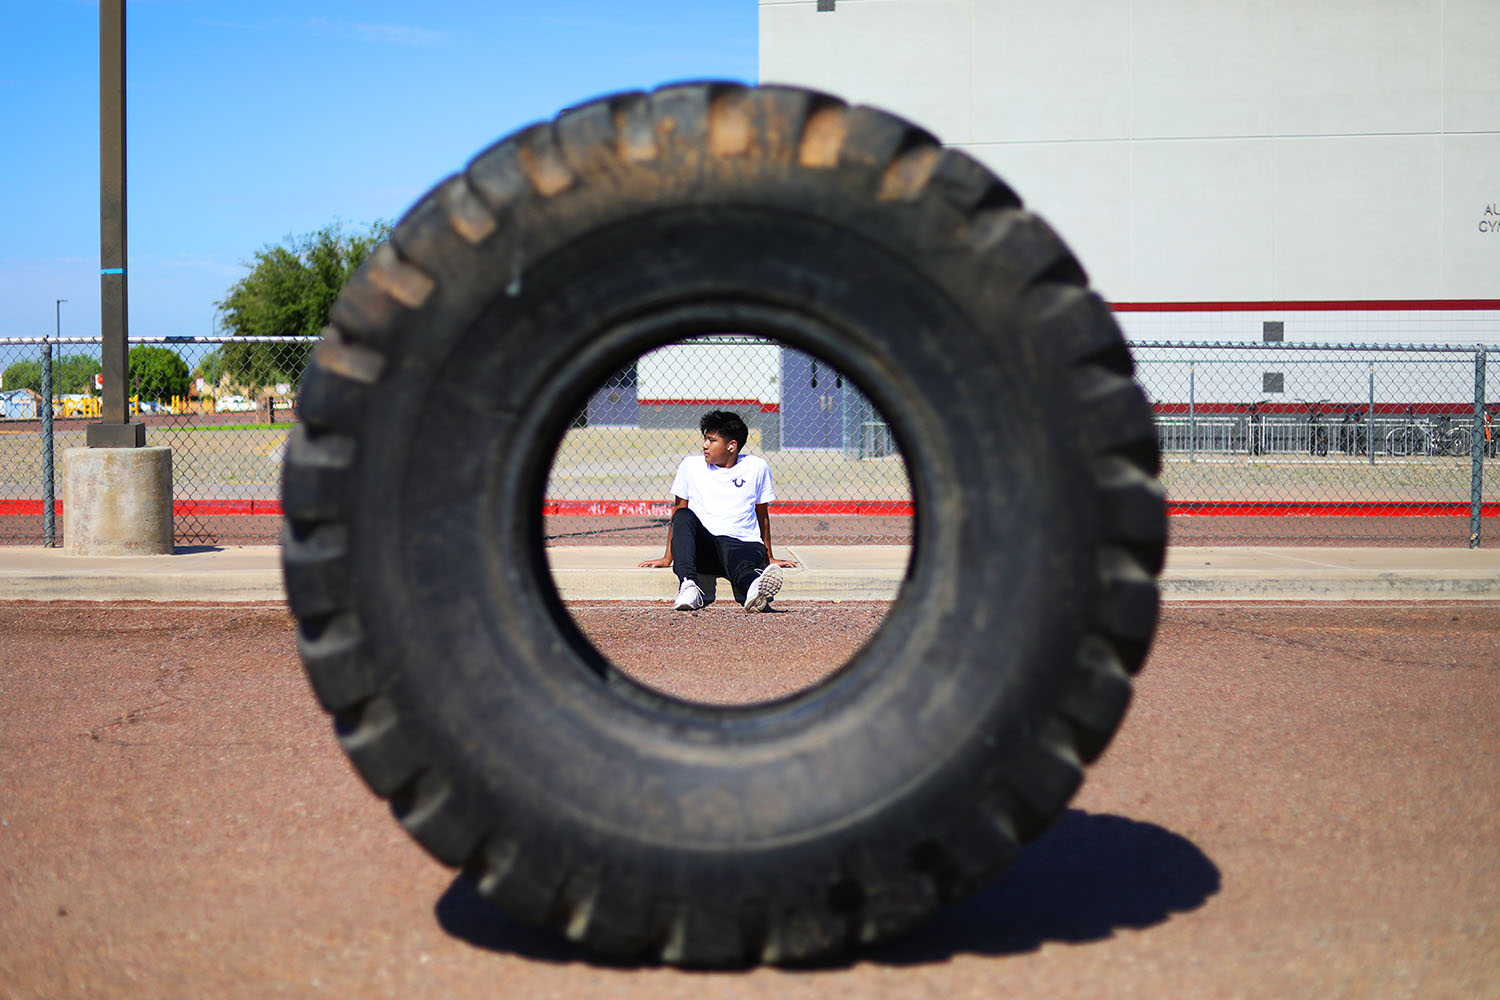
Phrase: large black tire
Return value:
(507, 744)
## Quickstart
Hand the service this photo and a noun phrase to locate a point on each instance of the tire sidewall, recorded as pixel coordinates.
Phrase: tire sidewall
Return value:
(497, 682)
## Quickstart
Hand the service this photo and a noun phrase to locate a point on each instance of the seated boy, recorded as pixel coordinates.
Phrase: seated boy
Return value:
(721, 525)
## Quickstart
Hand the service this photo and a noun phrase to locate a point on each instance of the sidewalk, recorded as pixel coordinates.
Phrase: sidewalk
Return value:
(825, 573)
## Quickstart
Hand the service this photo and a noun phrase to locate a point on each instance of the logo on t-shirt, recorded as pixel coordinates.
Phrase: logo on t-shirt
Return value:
(739, 483)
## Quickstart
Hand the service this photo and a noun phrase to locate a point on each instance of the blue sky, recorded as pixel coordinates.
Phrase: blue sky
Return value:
(248, 122)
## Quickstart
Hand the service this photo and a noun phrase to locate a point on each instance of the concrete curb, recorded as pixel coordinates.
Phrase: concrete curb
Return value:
(826, 573)
(235, 586)
(1253, 573)
(248, 575)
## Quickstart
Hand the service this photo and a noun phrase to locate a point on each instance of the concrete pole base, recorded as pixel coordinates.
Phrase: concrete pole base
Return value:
(117, 501)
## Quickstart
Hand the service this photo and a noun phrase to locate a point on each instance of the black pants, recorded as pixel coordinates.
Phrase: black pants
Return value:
(695, 550)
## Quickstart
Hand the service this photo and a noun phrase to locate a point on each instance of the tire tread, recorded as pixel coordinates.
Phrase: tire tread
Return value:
(683, 132)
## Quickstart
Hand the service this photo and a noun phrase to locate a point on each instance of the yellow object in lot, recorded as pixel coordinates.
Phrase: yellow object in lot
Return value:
(81, 405)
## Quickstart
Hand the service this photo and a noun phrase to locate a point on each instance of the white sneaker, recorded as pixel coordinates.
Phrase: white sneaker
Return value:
(709, 584)
(689, 597)
(764, 587)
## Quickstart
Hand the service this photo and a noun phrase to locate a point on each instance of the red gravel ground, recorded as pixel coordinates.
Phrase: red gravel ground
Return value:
(722, 655)
(1302, 803)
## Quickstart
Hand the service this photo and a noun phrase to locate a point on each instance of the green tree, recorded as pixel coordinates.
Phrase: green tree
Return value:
(157, 373)
(22, 375)
(289, 292)
(71, 373)
(210, 366)
(74, 373)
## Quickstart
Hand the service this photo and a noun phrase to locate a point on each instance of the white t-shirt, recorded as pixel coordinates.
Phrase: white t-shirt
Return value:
(725, 499)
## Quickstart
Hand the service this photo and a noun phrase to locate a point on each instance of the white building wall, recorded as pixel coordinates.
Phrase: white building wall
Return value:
(690, 372)
(1239, 150)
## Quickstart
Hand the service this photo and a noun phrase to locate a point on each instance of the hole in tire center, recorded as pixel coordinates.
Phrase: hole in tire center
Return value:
(843, 512)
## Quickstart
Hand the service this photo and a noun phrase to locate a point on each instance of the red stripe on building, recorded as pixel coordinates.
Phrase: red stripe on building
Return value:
(1347, 305)
(763, 407)
(1334, 409)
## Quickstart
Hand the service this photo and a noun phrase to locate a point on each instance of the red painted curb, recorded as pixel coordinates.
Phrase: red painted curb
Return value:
(862, 508)
(660, 508)
(1258, 508)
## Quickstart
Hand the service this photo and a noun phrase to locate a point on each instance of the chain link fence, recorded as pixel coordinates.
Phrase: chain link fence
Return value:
(224, 405)
(837, 471)
(1274, 443)
(838, 475)
(1326, 444)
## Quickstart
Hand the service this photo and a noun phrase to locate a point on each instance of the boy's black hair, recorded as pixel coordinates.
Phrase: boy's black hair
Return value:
(727, 424)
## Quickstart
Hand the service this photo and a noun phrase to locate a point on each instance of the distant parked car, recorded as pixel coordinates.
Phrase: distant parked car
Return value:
(233, 404)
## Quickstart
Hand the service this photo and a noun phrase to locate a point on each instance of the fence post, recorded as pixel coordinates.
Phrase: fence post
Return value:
(1370, 436)
(1476, 451)
(1192, 413)
(49, 519)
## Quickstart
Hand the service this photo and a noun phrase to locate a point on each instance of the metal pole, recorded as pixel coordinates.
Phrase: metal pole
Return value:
(114, 429)
(1476, 451)
(49, 489)
(1370, 435)
(1192, 413)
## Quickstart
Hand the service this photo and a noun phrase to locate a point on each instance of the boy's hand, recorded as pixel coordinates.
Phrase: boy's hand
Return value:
(661, 563)
(784, 563)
